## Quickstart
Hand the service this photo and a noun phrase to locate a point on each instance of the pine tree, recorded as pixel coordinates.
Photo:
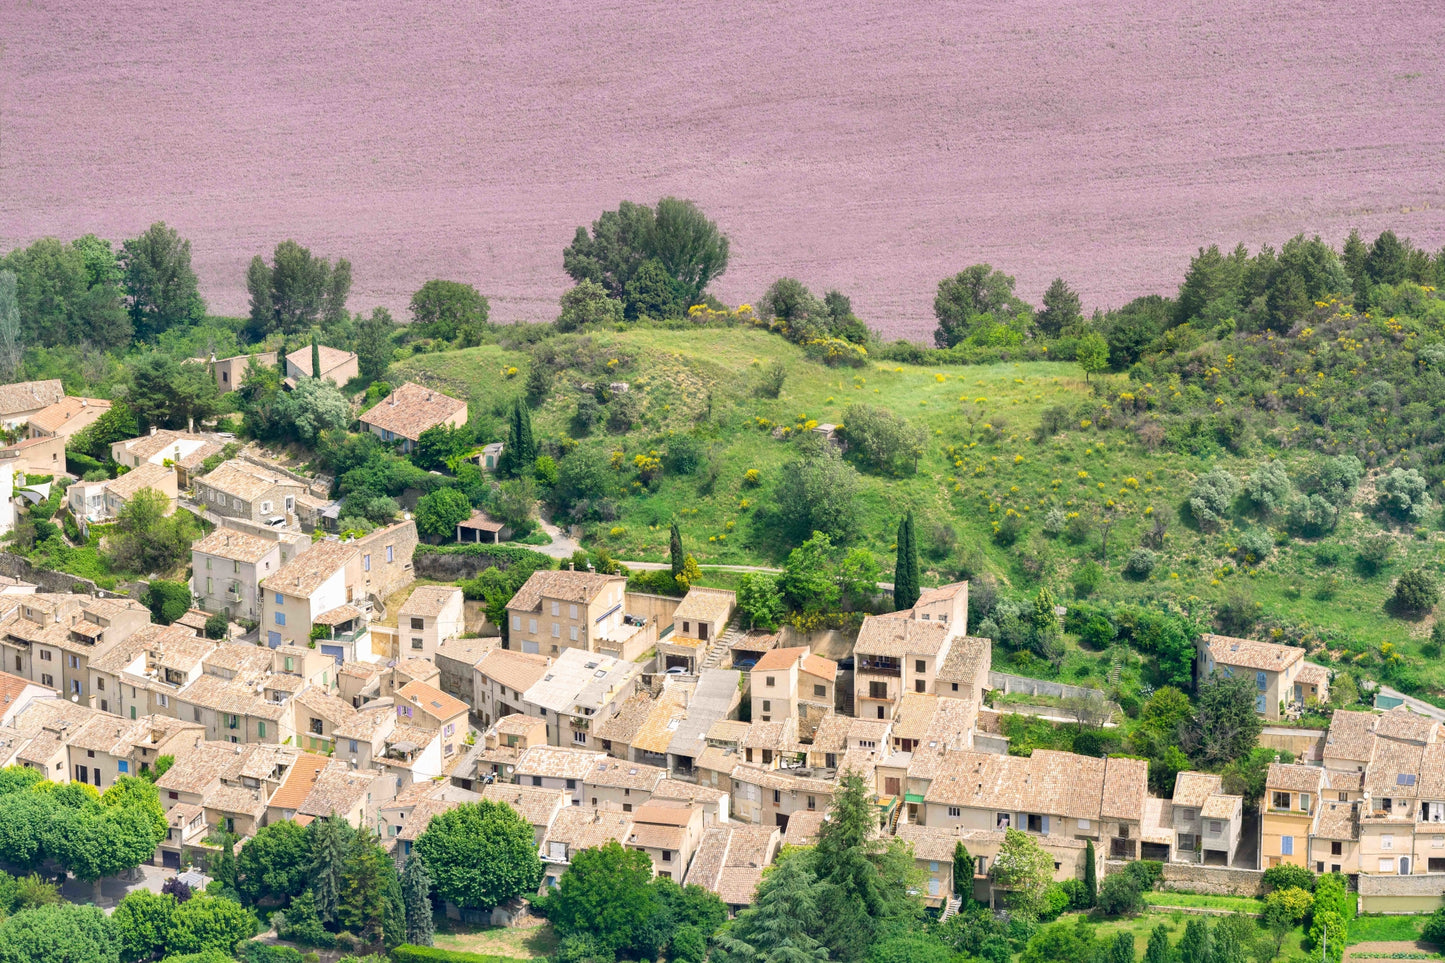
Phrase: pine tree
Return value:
(416, 894)
(905, 570)
(674, 546)
(328, 865)
(315, 357)
(1158, 949)
(519, 455)
(1091, 878)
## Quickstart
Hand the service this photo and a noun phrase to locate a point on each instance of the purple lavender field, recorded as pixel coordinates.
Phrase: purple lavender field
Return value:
(873, 147)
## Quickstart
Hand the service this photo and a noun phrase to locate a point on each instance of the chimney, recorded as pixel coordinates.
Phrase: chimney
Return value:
(571, 566)
(153, 429)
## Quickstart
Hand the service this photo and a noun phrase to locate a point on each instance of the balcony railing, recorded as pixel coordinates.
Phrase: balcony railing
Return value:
(880, 666)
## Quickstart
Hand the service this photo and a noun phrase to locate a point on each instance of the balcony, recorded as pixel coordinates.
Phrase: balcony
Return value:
(878, 666)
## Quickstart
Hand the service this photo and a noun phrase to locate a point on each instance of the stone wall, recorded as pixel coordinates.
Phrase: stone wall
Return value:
(1307, 744)
(829, 643)
(1034, 687)
(16, 566)
(1213, 880)
(649, 606)
(1419, 893)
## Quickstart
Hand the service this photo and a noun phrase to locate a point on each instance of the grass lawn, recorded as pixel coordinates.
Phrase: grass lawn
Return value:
(1234, 904)
(529, 943)
(1174, 922)
(1380, 929)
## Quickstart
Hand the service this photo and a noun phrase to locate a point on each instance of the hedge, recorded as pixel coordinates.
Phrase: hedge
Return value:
(407, 953)
(502, 555)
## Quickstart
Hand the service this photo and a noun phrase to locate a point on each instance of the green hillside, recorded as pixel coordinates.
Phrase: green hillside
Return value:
(984, 466)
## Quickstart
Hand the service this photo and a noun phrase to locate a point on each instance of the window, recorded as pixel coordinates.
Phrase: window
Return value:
(75, 661)
(389, 555)
(1260, 682)
(820, 691)
(209, 588)
(767, 705)
(919, 665)
(196, 713)
(1281, 800)
(1083, 824)
(278, 599)
(75, 687)
(1319, 866)
(556, 630)
(418, 624)
(571, 785)
(516, 623)
(877, 690)
(417, 644)
(556, 609)
(572, 611)
(536, 780)
(812, 803)
(366, 562)
(769, 681)
(777, 797)
(573, 631)
(280, 618)
(532, 626)
(316, 727)
(1188, 815)
(580, 738)
(920, 685)
(260, 730)
(1387, 865)
(124, 767)
(1286, 845)
(1215, 827)
(1387, 841)
(954, 812)
(46, 679)
(667, 855)
(1337, 848)
(1304, 802)
(45, 655)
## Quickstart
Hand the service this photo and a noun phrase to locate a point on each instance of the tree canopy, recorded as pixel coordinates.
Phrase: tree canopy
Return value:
(480, 855)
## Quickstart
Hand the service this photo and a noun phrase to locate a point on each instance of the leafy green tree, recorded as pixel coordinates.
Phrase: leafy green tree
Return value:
(439, 513)
(315, 356)
(1062, 941)
(374, 344)
(271, 868)
(1388, 260)
(1268, 488)
(515, 504)
(209, 923)
(436, 447)
(760, 601)
(329, 838)
(818, 493)
(809, 580)
(371, 905)
(1047, 637)
(1415, 591)
(652, 293)
(1122, 949)
(145, 539)
(1024, 870)
(1092, 353)
(167, 601)
(858, 578)
(1196, 944)
(688, 247)
(588, 305)
(905, 568)
(1225, 725)
(69, 294)
(480, 855)
(416, 894)
(450, 311)
(295, 292)
(606, 894)
(60, 933)
(974, 291)
(1121, 895)
(1062, 310)
(313, 406)
(159, 282)
(584, 477)
(882, 440)
(12, 338)
(1210, 498)
(142, 924)
(164, 393)
(519, 453)
(117, 423)
(1405, 494)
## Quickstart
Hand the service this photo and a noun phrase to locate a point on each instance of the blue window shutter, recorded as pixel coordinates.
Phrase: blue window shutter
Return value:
(1286, 845)
(1046, 825)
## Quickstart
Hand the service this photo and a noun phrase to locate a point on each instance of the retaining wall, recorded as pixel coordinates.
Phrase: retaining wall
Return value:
(1034, 687)
(1213, 880)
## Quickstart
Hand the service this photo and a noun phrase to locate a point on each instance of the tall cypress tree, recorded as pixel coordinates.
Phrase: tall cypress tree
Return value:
(1195, 945)
(1091, 879)
(416, 894)
(520, 452)
(315, 357)
(905, 570)
(674, 547)
(1158, 950)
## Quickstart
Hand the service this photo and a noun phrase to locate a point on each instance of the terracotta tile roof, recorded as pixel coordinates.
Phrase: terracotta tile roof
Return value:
(369, 722)
(780, 735)
(1351, 735)
(533, 803)
(480, 521)
(1312, 673)
(198, 769)
(869, 730)
(432, 699)
(929, 842)
(228, 543)
(330, 358)
(818, 666)
(326, 706)
(1251, 654)
(1338, 820)
(803, 828)
(1191, 789)
(242, 479)
(29, 395)
(557, 762)
(616, 774)
(1126, 787)
(146, 447)
(624, 726)
(565, 586)
(646, 836)
(429, 600)
(411, 409)
(953, 724)
(54, 418)
(231, 696)
(145, 476)
(706, 605)
(755, 641)
(780, 659)
(942, 593)
(658, 729)
(243, 661)
(466, 651)
(11, 687)
(1056, 783)
(420, 670)
(894, 637)
(518, 671)
(429, 808)
(730, 860)
(1395, 770)
(1221, 806)
(915, 715)
(966, 656)
(1402, 724)
(581, 827)
(687, 792)
(1350, 781)
(1289, 777)
(338, 616)
(337, 790)
(832, 734)
(304, 574)
(781, 780)
(236, 800)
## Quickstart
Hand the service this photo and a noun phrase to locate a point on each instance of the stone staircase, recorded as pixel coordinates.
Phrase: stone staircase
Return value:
(950, 908)
(718, 652)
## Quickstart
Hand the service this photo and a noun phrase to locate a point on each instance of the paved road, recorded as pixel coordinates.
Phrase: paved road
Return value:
(1424, 708)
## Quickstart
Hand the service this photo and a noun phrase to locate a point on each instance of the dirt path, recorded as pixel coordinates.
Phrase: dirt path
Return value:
(1384, 949)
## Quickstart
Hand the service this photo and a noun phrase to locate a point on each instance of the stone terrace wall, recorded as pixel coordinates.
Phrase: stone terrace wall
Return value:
(1214, 880)
(1034, 687)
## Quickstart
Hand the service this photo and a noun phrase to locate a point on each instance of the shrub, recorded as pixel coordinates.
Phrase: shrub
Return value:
(1054, 522)
(771, 379)
(1268, 488)
(1415, 591)
(1140, 563)
(408, 953)
(1077, 893)
(1373, 555)
(1087, 578)
(1210, 497)
(1056, 900)
(1288, 876)
(1434, 931)
(684, 455)
(1254, 547)
(1404, 495)
(1291, 903)
(1327, 555)
(1120, 895)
